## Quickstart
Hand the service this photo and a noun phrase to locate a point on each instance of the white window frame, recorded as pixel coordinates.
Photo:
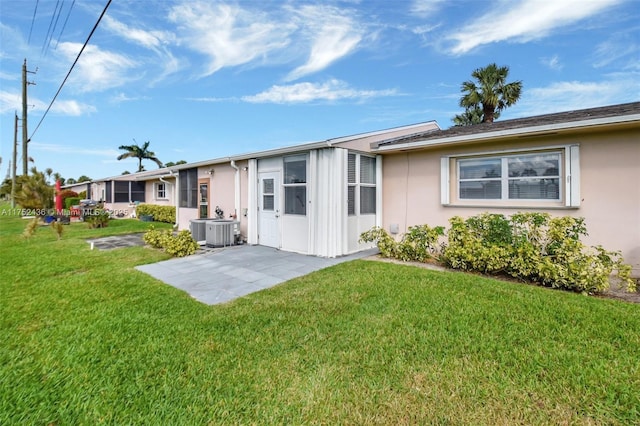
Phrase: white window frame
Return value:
(569, 178)
(357, 185)
(300, 157)
(157, 190)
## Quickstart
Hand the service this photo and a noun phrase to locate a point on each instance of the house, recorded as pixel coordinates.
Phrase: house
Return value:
(582, 163)
(317, 198)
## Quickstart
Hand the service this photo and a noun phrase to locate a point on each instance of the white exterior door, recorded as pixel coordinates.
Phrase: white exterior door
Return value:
(269, 209)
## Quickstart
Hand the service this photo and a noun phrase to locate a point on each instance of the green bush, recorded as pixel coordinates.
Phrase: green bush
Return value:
(179, 245)
(419, 244)
(71, 201)
(166, 214)
(97, 218)
(532, 247)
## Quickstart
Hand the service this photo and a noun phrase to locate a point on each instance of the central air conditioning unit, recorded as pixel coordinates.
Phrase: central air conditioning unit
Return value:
(220, 233)
(198, 229)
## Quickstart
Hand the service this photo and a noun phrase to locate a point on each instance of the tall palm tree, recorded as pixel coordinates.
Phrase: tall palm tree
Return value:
(490, 91)
(139, 152)
(471, 115)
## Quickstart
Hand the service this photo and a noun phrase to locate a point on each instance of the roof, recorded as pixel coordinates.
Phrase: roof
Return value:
(519, 126)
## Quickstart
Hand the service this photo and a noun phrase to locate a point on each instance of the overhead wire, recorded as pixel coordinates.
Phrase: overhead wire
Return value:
(55, 25)
(32, 21)
(65, 23)
(46, 38)
(104, 11)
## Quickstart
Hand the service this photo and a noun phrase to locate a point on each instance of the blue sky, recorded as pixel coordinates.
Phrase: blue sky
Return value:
(207, 79)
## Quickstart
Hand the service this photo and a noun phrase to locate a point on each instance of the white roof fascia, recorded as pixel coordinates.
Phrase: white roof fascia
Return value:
(511, 132)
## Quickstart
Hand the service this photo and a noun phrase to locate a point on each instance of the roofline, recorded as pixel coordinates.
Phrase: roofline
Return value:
(523, 131)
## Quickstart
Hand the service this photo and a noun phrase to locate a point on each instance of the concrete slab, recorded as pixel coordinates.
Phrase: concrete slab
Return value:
(226, 274)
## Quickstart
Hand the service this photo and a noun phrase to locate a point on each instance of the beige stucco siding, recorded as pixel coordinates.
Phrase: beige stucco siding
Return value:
(609, 188)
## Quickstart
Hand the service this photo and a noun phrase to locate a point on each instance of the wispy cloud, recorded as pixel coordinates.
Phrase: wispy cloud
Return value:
(523, 21)
(616, 49)
(552, 62)
(333, 34)
(97, 69)
(333, 90)
(12, 101)
(572, 95)
(228, 35)
(426, 8)
(123, 97)
(66, 149)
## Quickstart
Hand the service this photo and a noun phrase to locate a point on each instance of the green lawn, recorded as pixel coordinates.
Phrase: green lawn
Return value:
(86, 339)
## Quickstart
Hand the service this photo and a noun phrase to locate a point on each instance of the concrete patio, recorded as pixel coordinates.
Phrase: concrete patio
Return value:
(221, 275)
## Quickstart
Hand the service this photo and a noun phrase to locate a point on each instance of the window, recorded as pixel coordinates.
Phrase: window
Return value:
(125, 191)
(268, 194)
(517, 177)
(295, 185)
(161, 191)
(361, 181)
(107, 186)
(188, 181)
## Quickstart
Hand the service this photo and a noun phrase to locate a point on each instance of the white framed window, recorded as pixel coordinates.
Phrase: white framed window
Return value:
(295, 185)
(361, 184)
(161, 191)
(537, 177)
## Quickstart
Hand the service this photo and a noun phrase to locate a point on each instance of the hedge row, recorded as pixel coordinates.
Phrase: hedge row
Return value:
(166, 214)
(530, 246)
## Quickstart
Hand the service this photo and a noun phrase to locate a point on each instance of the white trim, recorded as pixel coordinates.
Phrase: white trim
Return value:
(379, 199)
(252, 202)
(570, 191)
(524, 131)
(445, 183)
(572, 167)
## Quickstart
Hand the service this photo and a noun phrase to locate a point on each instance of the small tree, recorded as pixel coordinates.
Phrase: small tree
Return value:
(34, 192)
(489, 93)
(139, 152)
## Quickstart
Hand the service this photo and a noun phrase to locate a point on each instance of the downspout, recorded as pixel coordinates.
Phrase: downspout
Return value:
(175, 196)
(237, 190)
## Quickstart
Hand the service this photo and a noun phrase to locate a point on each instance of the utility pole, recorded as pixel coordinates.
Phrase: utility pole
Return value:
(13, 165)
(25, 135)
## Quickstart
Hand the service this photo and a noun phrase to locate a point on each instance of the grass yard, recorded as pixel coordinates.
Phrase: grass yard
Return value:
(86, 339)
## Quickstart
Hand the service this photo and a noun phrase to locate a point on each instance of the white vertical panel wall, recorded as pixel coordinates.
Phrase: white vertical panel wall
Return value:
(252, 202)
(329, 203)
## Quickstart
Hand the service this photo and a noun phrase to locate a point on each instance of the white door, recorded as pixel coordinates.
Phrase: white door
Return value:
(269, 209)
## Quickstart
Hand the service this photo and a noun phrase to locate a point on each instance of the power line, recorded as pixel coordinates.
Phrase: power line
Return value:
(65, 23)
(53, 17)
(33, 20)
(55, 25)
(104, 11)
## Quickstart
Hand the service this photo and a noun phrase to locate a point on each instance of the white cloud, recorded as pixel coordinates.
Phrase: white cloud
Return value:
(66, 149)
(12, 101)
(572, 95)
(426, 8)
(552, 62)
(523, 21)
(148, 39)
(228, 35)
(333, 34)
(332, 90)
(97, 69)
(617, 49)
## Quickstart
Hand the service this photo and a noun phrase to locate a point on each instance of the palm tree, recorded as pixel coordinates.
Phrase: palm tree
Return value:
(490, 92)
(139, 152)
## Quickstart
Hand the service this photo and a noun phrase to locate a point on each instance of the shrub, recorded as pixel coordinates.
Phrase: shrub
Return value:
(419, 244)
(178, 245)
(530, 246)
(71, 201)
(67, 193)
(58, 228)
(98, 218)
(31, 228)
(166, 214)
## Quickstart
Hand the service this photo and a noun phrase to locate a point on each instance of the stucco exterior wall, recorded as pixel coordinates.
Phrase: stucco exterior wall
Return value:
(609, 188)
(150, 193)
